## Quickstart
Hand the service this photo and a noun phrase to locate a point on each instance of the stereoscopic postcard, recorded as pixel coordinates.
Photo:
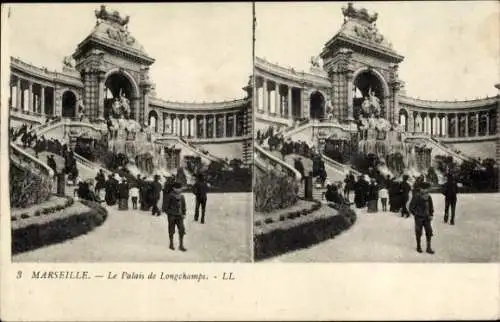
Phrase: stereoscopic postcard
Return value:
(250, 161)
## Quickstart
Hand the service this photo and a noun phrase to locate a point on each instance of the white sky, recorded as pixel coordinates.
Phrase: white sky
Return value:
(451, 49)
(202, 51)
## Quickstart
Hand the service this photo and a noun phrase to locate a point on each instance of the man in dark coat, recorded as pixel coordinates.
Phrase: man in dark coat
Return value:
(421, 206)
(450, 190)
(111, 190)
(100, 180)
(405, 196)
(200, 189)
(156, 190)
(123, 195)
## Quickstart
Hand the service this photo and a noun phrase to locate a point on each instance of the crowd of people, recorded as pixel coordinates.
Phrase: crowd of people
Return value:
(368, 192)
(145, 195)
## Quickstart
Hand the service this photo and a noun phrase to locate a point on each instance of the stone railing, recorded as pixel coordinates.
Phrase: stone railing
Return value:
(290, 73)
(262, 154)
(187, 145)
(30, 162)
(439, 145)
(89, 164)
(44, 73)
(339, 166)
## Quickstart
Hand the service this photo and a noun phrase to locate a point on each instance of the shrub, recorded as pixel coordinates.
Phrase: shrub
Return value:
(27, 187)
(274, 191)
(58, 230)
(282, 240)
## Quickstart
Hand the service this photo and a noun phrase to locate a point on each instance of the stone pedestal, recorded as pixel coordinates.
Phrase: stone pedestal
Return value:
(61, 184)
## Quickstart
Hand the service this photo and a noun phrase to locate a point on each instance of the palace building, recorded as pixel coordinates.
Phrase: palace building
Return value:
(110, 69)
(360, 71)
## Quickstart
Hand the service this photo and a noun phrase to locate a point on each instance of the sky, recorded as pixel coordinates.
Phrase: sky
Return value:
(451, 49)
(203, 51)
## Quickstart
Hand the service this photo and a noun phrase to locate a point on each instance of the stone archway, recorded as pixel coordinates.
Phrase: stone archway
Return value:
(120, 85)
(316, 106)
(153, 119)
(366, 82)
(69, 104)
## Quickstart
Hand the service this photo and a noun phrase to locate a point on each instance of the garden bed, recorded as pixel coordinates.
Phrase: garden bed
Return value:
(38, 231)
(50, 206)
(302, 207)
(275, 238)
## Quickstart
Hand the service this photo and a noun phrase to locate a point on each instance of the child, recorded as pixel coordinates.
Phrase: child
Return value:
(383, 194)
(134, 194)
(175, 207)
(422, 208)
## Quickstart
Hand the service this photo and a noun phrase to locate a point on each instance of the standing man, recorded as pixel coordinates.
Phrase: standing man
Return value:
(422, 208)
(175, 207)
(405, 196)
(200, 189)
(450, 190)
(155, 211)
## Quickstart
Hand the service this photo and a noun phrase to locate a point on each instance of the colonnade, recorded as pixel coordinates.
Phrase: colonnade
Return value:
(276, 99)
(450, 124)
(29, 97)
(202, 126)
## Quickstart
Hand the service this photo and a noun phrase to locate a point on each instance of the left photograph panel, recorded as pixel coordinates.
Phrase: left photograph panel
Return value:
(130, 130)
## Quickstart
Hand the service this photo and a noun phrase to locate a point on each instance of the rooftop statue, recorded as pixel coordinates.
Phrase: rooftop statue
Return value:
(315, 61)
(114, 18)
(359, 14)
(68, 62)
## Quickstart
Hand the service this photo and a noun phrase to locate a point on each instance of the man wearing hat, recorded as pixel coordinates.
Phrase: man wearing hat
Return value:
(422, 208)
(175, 208)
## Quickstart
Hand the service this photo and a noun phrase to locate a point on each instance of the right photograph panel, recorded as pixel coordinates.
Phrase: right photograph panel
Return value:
(376, 132)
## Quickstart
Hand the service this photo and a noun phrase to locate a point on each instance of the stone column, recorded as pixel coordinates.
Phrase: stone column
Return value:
(350, 111)
(214, 126)
(204, 126)
(18, 94)
(10, 95)
(195, 126)
(265, 108)
(225, 125)
(181, 126)
(100, 105)
(277, 105)
(290, 116)
(477, 124)
(234, 123)
(487, 132)
(466, 124)
(254, 93)
(30, 97)
(431, 118)
(42, 99)
(456, 125)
